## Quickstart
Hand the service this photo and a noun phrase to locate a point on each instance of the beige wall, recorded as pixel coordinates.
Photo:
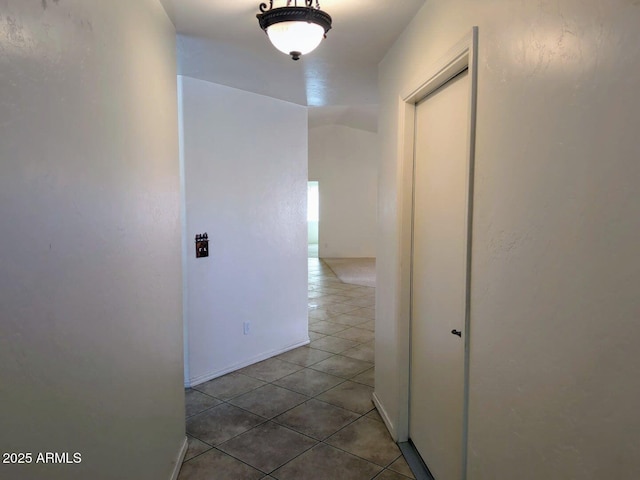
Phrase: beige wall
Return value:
(90, 275)
(345, 162)
(554, 387)
(250, 197)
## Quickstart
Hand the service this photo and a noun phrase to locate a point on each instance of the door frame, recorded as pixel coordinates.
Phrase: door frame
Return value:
(462, 56)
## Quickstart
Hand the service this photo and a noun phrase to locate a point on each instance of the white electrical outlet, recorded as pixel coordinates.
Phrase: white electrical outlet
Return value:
(246, 328)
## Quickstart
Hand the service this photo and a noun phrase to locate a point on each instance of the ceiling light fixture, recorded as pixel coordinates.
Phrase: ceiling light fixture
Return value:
(292, 29)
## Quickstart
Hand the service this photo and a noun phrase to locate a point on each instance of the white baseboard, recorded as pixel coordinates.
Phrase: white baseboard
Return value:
(179, 460)
(232, 368)
(385, 416)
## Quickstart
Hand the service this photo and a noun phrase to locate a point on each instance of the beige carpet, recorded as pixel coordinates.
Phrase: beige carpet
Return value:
(356, 271)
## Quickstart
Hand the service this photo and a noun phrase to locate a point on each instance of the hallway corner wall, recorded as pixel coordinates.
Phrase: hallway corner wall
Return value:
(245, 176)
(345, 162)
(90, 282)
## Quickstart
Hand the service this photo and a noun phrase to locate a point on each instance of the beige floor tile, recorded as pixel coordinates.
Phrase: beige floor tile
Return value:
(333, 344)
(315, 294)
(309, 382)
(351, 396)
(374, 415)
(334, 309)
(369, 325)
(334, 289)
(317, 283)
(349, 320)
(367, 377)
(368, 313)
(327, 328)
(195, 447)
(305, 356)
(341, 366)
(365, 302)
(327, 463)
(214, 462)
(390, 475)
(219, 424)
(364, 352)
(345, 287)
(365, 290)
(337, 298)
(319, 314)
(323, 270)
(268, 401)
(270, 370)
(229, 386)
(356, 334)
(401, 466)
(317, 419)
(331, 303)
(268, 446)
(325, 279)
(196, 402)
(356, 292)
(315, 335)
(367, 439)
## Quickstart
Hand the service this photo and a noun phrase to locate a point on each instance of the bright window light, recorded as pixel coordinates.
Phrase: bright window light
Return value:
(313, 202)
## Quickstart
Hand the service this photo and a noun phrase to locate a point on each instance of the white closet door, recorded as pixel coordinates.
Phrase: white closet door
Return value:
(439, 274)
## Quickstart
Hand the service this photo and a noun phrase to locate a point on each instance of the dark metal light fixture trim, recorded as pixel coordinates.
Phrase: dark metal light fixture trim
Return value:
(307, 14)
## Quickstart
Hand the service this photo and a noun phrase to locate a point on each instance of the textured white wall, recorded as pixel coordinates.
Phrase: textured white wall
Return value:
(245, 162)
(90, 282)
(345, 162)
(556, 272)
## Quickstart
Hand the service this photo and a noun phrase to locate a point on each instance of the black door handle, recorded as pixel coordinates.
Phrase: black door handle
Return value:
(457, 332)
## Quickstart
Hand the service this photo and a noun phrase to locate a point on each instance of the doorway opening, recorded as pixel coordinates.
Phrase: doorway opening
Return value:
(313, 217)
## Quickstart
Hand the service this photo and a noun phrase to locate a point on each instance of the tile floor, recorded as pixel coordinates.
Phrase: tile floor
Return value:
(305, 414)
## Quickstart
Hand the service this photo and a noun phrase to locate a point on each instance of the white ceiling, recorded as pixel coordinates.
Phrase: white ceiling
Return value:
(220, 41)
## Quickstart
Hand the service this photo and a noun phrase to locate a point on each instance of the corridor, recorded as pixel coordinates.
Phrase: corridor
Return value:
(305, 414)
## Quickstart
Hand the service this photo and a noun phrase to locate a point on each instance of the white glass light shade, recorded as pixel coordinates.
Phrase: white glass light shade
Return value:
(301, 37)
